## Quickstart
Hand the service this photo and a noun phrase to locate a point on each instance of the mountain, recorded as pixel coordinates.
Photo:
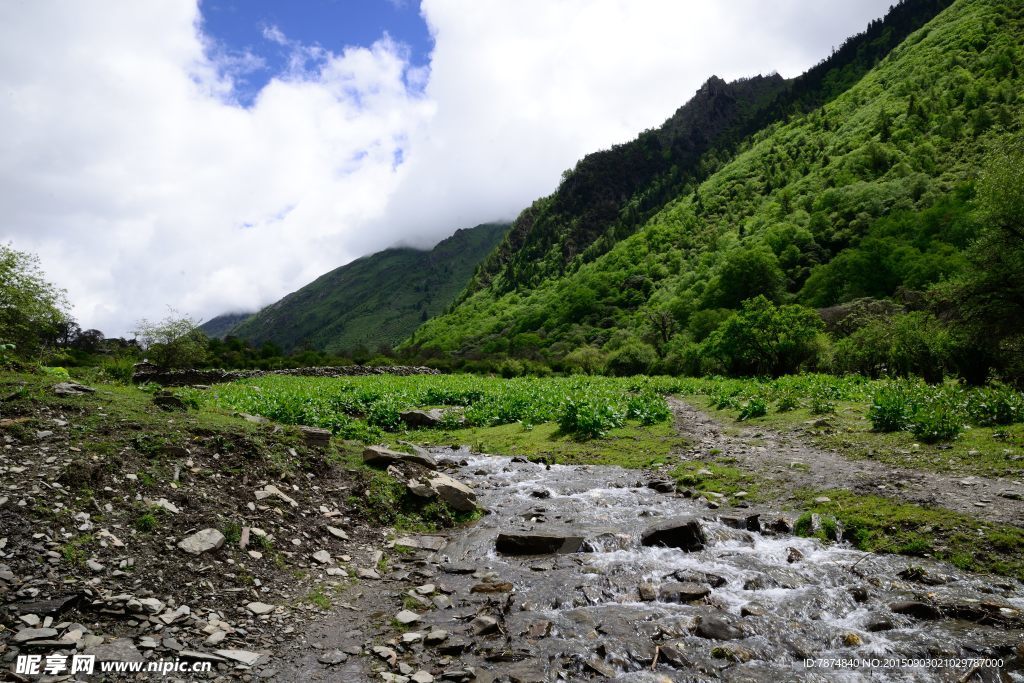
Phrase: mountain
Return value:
(221, 326)
(375, 300)
(853, 180)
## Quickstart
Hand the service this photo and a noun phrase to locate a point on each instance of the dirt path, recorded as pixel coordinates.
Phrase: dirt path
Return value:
(792, 464)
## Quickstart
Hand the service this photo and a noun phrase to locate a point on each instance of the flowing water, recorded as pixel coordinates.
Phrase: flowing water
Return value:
(778, 607)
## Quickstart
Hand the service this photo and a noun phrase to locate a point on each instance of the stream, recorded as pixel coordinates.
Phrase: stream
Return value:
(750, 606)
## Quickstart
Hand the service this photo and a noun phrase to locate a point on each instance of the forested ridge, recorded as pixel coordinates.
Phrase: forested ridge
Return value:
(870, 199)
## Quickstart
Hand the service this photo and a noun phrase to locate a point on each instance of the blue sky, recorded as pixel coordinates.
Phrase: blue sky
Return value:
(247, 27)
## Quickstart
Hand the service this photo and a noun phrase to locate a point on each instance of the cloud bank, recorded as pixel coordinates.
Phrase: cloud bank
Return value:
(128, 165)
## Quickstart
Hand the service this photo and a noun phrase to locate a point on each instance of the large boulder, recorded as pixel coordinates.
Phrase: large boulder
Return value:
(457, 495)
(537, 543)
(684, 533)
(417, 419)
(379, 456)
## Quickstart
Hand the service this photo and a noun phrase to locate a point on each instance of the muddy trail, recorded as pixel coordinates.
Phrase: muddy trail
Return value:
(587, 573)
(789, 464)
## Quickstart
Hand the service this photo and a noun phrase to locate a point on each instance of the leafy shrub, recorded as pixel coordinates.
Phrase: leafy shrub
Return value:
(821, 404)
(935, 422)
(754, 407)
(992, 406)
(902, 346)
(890, 410)
(587, 418)
(57, 373)
(384, 414)
(647, 407)
(787, 402)
(632, 358)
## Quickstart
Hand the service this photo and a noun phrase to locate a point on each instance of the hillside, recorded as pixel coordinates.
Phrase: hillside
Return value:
(375, 300)
(867, 195)
(221, 326)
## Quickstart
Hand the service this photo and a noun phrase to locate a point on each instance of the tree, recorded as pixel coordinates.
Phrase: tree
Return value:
(989, 300)
(174, 342)
(746, 273)
(763, 339)
(32, 311)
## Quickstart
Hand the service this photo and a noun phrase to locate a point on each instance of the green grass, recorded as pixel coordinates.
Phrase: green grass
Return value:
(318, 598)
(717, 477)
(986, 451)
(633, 446)
(878, 524)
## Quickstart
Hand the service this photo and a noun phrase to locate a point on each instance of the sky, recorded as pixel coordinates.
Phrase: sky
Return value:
(211, 157)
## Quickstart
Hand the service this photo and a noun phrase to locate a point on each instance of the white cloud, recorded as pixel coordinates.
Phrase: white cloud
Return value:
(128, 166)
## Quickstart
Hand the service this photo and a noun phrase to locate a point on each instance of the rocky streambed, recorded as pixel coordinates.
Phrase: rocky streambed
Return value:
(589, 573)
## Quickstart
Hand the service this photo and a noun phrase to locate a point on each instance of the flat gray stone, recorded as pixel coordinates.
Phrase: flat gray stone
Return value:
(202, 541)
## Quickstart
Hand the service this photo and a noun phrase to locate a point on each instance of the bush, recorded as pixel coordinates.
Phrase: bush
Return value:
(993, 406)
(634, 357)
(935, 422)
(755, 407)
(647, 407)
(890, 410)
(588, 418)
(586, 360)
(174, 342)
(902, 346)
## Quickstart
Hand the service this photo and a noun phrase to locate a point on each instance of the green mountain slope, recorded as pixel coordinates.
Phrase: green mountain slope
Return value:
(375, 300)
(221, 326)
(865, 195)
(611, 193)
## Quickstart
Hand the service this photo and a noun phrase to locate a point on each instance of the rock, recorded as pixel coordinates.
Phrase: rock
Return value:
(435, 636)
(717, 628)
(406, 617)
(426, 589)
(434, 543)
(662, 485)
(322, 556)
(56, 605)
(421, 677)
(95, 566)
(852, 639)
(386, 653)
(457, 495)
(684, 533)
(780, 525)
(26, 635)
(821, 500)
(168, 401)
(363, 573)
(418, 419)
(918, 610)
(752, 609)
(648, 593)
(673, 654)
(241, 656)
(601, 668)
(272, 491)
(878, 624)
(202, 541)
(732, 653)
(315, 437)
(72, 389)
(163, 504)
(259, 608)
(483, 625)
(537, 543)
(381, 457)
(750, 522)
(215, 638)
(492, 587)
(120, 650)
(337, 533)
(793, 555)
(683, 592)
(332, 657)
(336, 571)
